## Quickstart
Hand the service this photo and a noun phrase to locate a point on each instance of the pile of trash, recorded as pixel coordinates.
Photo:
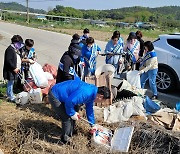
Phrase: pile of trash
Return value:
(38, 86)
(127, 100)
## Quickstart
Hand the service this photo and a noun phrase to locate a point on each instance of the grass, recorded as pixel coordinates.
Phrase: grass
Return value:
(59, 26)
(2, 88)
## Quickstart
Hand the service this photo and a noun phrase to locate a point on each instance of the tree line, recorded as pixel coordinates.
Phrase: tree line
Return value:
(168, 16)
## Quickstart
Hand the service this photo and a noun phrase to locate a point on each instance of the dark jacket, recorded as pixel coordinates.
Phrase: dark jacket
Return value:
(68, 61)
(141, 47)
(10, 63)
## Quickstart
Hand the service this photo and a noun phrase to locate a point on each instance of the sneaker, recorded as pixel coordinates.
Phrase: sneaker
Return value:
(154, 97)
(12, 100)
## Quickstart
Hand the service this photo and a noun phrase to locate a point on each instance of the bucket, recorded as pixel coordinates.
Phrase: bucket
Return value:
(107, 69)
(22, 98)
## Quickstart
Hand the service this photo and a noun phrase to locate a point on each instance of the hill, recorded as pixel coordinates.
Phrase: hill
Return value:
(168, 16)
(19, 7)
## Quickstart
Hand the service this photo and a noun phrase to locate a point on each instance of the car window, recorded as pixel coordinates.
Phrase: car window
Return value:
(174, 42)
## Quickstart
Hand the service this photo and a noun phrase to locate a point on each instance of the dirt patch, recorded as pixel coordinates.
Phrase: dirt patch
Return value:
(97, 35)
(1, 37)
(32, 129)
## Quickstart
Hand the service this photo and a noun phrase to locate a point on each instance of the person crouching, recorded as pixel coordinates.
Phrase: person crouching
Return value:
(66, 96)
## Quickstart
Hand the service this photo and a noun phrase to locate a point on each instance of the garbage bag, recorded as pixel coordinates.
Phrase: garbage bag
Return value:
(37, 74)
(51, 69)
(134, 78)
(151, 106)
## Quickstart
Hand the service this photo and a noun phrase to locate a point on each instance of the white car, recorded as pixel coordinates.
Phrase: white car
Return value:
(167, 47)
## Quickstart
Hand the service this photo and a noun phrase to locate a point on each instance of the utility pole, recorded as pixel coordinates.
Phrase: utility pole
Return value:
(27, 5)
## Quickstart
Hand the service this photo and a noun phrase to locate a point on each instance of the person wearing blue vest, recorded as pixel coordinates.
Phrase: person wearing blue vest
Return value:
(89, 55)
(65, 96)
(84, 37)
(121, 40)
(28, 56)
(112, 48)
(149, 68)
(69, 61)
(132, 49)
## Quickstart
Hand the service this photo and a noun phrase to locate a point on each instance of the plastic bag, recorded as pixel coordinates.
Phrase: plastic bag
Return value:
(134, 78)
(35, 96)
(51, 69)
(151, 106)
(48, 76)
(37, 74)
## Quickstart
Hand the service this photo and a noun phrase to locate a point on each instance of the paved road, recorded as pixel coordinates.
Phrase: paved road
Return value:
(50, 46)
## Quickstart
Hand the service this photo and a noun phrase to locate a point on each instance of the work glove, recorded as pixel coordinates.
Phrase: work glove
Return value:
(31, 61)
(76, 116)
(92, 130)
(141, 72)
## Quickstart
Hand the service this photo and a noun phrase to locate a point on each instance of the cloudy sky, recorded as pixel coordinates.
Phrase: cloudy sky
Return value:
(96, 4)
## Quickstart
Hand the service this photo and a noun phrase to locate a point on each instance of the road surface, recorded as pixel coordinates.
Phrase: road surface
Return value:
(50, 46)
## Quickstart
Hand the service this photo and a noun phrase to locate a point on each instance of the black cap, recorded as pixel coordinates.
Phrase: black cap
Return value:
(75, 49)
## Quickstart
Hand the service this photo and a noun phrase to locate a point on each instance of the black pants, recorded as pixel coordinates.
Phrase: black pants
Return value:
(67, 123)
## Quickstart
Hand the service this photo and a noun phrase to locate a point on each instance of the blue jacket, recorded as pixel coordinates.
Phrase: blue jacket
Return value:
(74, 92)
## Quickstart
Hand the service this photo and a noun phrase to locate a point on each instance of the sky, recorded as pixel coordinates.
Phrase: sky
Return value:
(96, 4)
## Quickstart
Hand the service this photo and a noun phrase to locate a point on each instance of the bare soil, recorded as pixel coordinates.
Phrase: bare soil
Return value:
(1, 37)
(33, 129)
(97, 35)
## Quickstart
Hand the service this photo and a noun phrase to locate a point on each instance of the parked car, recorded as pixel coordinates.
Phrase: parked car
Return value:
(167, 47)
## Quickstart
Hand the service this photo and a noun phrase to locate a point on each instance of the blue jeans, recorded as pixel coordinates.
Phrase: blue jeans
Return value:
(9, 91)
(151, 75)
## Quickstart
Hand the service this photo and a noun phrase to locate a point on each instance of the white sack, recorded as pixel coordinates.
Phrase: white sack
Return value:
(134, 78)
(38, 76)
(48, 76)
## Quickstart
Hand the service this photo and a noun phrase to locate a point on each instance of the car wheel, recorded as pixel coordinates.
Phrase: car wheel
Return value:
(165, 80)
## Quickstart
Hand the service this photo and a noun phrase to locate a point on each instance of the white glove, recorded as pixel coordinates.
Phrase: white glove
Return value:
(76, 116)
(141, 72)
(31, 61)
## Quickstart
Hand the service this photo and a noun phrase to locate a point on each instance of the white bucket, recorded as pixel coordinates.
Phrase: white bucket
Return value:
(107, 69)
(35, 96)
(22, 98)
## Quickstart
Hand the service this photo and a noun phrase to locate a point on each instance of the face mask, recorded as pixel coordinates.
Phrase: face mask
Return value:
(86, 35)
(18, 45)
(75, 56)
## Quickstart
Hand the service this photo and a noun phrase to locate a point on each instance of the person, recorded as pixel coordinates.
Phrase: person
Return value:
(149, 68)
(120, 41)
(84, 37)
(64, 98)
(113, 47)
(141, 51)
(28, 56)
(12, 64)
(132, 48)
(89, 55)
(68, 64)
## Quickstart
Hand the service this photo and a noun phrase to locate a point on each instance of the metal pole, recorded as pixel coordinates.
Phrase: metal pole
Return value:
(27, 5)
